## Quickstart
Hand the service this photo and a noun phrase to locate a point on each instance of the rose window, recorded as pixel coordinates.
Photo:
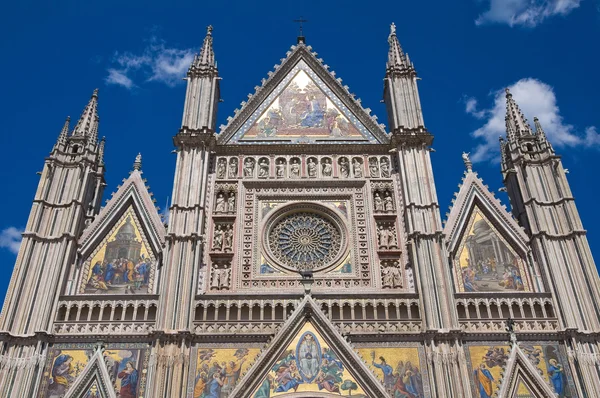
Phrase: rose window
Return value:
(304, 240)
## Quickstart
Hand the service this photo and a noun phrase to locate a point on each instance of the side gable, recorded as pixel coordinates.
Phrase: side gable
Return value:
(343, 118)
(521, 377)
(93, 380)
(308, 313)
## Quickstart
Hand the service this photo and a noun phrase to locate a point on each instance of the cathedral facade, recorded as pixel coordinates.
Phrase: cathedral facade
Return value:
(304, 255)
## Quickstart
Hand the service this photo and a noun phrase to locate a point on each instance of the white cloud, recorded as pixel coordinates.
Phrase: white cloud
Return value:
(157, 63)
(525, 12)
(535, 98)
(10, 238)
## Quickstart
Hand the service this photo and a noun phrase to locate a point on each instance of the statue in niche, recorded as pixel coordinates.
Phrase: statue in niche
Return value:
(327, 168)
(280, 168)
(221, 206)
(385, 167)
(221, 168)
(233, 168)
(249, 167)
(312, 167)
(388, 202)
(373, 168)
(263, 168)
(218, 238)
(378, 202)
(231, 202)
(220, 277)
(383, 236)
(295, 168)
(344, 168)
(228, 238)
(357, 167)
(391, 276)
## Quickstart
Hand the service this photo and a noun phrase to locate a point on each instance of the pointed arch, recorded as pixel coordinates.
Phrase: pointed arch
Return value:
(521, 376)
(94, 377)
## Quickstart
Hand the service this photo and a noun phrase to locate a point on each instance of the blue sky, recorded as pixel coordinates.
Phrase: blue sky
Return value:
(137, 52)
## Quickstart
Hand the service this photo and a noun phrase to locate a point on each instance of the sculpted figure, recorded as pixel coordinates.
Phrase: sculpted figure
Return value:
(295, 168)
(233, 168)
(378, 202)
(228, 238)
(357, 168)
(373, 168)
(344, 168)
(249, 167)
(224, 278)
(391, 277)
(327, 168)
(312, 167)
(231, 203)
(220, 207)
(389, 202)
(214, 278)
(385, 167)
(384, 236)
(221, 168)
(218, 238)
(280, 168)
(263, 168)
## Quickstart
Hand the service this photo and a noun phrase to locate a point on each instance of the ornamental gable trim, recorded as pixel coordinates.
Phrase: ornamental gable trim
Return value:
(472, 196)
(302, 102)
(521, 374)
(308, 312)
(133, 193)
(93, 379)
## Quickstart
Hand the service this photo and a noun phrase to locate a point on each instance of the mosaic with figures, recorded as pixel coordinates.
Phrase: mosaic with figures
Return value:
(127, 366)
(400, 369)
(487, 362)
(218, 368)
(485, 262)
(123, 263)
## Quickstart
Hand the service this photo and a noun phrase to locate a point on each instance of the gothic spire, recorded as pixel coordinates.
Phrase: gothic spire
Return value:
(206, 58)
(539, 131)
(397, 60)
(64, 133)
(516, 124)
(88, 122)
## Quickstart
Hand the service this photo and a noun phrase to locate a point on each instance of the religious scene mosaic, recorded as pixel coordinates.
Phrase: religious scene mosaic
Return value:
(488, 362)
(122, 263)
(485, 261)
(219, 369)
(308, 365)
(398, 369)
(126, 365)
(302, 109)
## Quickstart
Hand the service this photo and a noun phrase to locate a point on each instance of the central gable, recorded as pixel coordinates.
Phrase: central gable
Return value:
(302, 103)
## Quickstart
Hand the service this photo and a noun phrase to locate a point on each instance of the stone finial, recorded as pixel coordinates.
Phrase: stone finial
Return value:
(64, 132)
(137, 164)
(396, 58)
(539, 131)
(516, 124)
(101, 150)
(206, 59)
(467, 161)
(392, 29)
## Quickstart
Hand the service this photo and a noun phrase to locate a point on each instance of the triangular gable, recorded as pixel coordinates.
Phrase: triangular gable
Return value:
(486, 245)
(302, 102)
(94, 380)
(521, 378)
(305, 334)
(130, 213)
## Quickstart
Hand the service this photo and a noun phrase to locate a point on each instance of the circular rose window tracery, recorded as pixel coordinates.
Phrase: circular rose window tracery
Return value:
(306, 237)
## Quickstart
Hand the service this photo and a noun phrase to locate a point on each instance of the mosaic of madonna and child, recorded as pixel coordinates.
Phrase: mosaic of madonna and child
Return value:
(487, 263)
(122, 264)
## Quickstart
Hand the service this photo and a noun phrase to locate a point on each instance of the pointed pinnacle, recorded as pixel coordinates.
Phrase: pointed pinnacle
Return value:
(396, 59)
(516, 124)
(137, 164)
(64, 133)
(539, 131)
(101, 150)
(207, 55)
(88, 122)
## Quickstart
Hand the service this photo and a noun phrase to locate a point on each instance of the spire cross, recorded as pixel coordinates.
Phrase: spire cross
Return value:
(301, 20)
